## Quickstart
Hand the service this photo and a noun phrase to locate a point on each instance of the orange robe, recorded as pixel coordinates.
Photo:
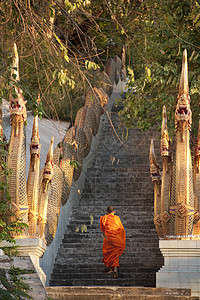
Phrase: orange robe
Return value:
(114, 241)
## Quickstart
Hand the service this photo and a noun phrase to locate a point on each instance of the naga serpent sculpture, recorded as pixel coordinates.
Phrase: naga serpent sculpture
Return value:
(38, 201)
(177, 191)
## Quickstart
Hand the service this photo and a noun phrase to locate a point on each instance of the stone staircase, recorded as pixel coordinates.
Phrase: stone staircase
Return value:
(119, 177)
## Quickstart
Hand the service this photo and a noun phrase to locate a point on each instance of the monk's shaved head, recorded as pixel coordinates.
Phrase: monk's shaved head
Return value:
(110, 209)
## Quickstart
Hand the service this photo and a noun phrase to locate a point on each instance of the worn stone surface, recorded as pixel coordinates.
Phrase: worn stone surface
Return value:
(138, 293)
(37, 290)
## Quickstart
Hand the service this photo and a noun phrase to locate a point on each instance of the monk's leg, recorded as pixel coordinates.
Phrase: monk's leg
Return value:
(115, 266)
(115, 272)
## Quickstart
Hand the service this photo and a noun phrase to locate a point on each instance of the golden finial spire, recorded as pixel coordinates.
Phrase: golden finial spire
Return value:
(164, 134)
(164, 120)
(48, 168)
(35, 139)
(35, 129)
(154, 167)
(50, 152)
(15, 65)
(17, 103)
(183, 87)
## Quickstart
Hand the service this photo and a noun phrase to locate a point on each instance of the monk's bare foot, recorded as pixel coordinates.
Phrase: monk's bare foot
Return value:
(110, 271)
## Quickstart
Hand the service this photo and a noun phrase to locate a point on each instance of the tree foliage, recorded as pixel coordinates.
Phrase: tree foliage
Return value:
(163, 30)
(59, 42)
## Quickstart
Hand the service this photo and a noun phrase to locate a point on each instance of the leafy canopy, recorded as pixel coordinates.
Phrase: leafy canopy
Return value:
(161, 33)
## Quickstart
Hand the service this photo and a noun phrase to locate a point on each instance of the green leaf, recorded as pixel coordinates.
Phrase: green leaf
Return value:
(14, 76)
(66, 57)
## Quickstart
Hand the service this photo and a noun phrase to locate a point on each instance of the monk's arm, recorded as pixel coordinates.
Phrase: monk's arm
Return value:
(102, 227)
(120, 224)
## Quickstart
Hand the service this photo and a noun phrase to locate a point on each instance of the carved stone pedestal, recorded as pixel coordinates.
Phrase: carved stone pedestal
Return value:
(33, 247)
(181, 265)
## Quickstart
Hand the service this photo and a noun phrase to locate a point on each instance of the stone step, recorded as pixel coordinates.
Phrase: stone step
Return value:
(129, 231)
(135, 164)
(92, 260)
(120, 158)
(125, 173)
(127, 262)
(121, 297)
(81, 239)
(81, 242)
(148, 282)
(129, 203)
(96, 243)
(130, 234)
(135, 196)
(102, 172)
(99, 267)
(96, 255)
(118, 179)
(123, 213)
(98, 275)
(124, 209)
(129, 170)
(135, 220)
(89, 243)
(127, 196)
(142, 184)
(97, 251)
(123, 293)
(133, 225)
(133, 192)
(120, 210)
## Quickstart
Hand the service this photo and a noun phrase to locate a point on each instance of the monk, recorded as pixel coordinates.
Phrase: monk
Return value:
(114, 240)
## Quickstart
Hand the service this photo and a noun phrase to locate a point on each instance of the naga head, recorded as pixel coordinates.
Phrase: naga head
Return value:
(165, 142)
(17, 103)
(154, 167)
(35, 140)
(183, 112)
(48, 168)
